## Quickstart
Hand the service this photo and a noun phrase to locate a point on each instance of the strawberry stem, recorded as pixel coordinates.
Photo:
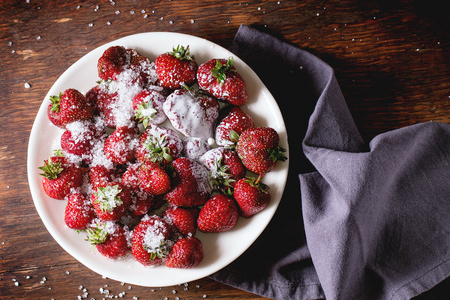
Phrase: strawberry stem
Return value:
(259, 178)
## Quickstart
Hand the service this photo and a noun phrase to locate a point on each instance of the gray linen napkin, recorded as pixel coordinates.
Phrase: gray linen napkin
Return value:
(365, 221)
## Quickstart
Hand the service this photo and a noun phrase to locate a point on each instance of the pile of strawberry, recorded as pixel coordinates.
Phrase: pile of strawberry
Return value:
(135, 185)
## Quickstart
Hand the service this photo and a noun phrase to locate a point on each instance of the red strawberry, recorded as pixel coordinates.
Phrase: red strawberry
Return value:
(148, 107)
(109, 238)
(259, 150)
(53, 112)
(190, 184)
(225, 168)
(100, 175)
(68, 107)
(130, 177)
(151, 241)
(110, 201)
(219, 214)
(176, 68)
(220, 78)
(141, 203)
(233, 123)
(121, 144)
(153, 179)
(111, 63)
(183, 219)
(159, 144)
(60, 177)
(251, 196)
(103, 103)
(187, 253)
(78, 212)
(78, 139)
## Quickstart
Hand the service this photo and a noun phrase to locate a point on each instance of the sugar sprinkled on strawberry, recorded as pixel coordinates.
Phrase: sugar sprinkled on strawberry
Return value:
(110, 238)
(151, 241)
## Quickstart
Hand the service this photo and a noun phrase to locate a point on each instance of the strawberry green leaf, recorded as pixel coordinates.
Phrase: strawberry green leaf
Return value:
(234, 136)
(220, 177)
(257, 183)
(107, 197)
(157, 149)
(96, 235)
(219, 71)
(278, 154)
(180, 52)
(56, 100)
(145, 112)
(159, 252)
(51, 170)
(58, 152)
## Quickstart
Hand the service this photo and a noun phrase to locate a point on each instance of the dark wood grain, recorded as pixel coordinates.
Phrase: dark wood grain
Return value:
(391, 59)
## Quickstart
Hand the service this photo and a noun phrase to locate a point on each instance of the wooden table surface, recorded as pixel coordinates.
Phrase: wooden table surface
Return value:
(391, 59)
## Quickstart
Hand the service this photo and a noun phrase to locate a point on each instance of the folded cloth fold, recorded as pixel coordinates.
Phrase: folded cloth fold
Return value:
(365, 221)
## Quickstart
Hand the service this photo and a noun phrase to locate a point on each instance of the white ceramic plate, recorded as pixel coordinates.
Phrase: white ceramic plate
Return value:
(219, 249)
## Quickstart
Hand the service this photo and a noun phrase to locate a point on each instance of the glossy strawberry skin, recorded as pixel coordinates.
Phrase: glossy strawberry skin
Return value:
(74, 107)
(190, 184)
(232, 89)
(233, 118)
(219, 214)
(54, 116)
(183, 219)
(70, 177)
(250, 197)
(153, 179)
(186, 253)
(79, 212)
(160, 230)
(258, 149)
(174, 72)
(234, 163)
(69, 106)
